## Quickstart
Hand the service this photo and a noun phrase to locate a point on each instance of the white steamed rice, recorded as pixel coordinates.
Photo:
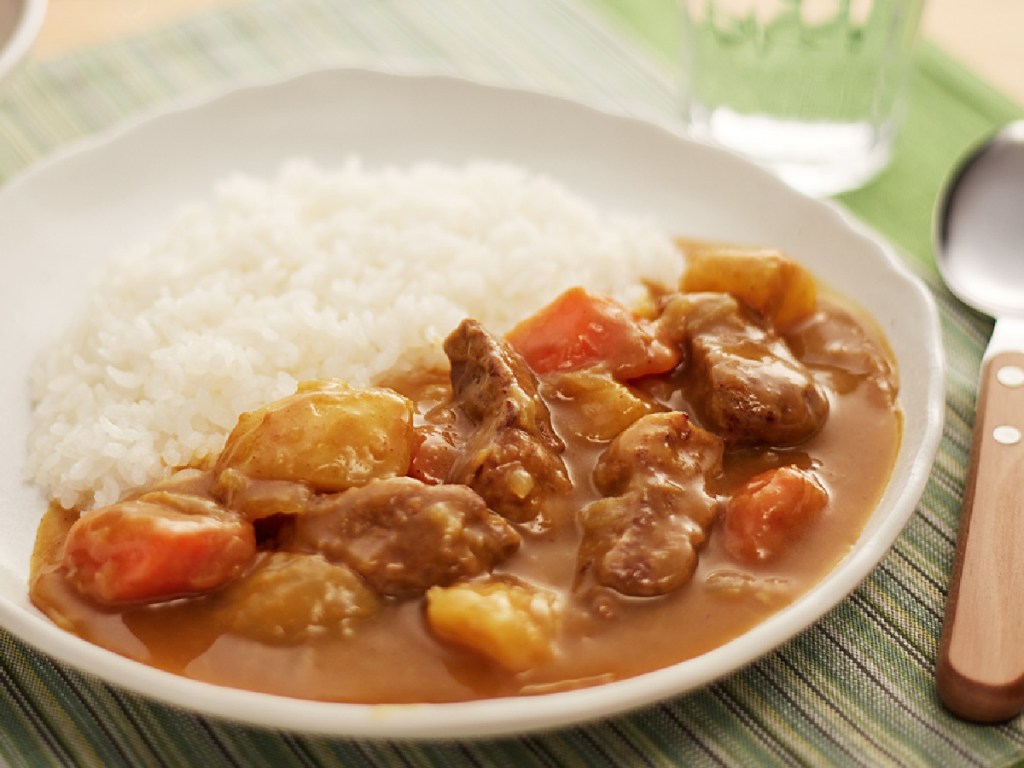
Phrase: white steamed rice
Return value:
(344, 273)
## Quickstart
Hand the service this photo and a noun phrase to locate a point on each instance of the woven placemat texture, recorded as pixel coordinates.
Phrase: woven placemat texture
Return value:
(856, 689)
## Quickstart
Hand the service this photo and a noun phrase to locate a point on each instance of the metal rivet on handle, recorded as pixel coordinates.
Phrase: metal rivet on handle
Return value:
(1006, 435)
(1010, 376)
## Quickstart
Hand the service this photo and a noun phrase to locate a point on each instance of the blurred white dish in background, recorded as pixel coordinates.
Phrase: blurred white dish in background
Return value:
(20, 22)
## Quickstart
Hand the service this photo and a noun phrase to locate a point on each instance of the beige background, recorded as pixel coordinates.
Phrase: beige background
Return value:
(985, 35)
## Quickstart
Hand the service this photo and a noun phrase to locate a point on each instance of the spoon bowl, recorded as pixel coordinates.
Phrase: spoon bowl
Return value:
(980, 254)
(980, 235)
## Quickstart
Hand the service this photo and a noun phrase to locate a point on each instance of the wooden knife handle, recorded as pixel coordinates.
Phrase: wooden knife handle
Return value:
(980, 667)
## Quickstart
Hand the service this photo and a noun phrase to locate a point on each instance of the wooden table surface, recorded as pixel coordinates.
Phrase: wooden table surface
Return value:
(987, 36)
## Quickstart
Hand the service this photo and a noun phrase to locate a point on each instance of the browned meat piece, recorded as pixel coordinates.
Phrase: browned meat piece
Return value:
(512, 458)
(492, 382)
(403, 536)
(637, 545)
(665, 449)
(835, 342)
(743, 380)
(642, 539)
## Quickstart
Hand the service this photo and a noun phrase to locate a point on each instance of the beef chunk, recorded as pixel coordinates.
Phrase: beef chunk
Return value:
(836, 343)
(742, 379)
(637, 545)
(403, 536)
(642, 539)
(512, 457)
(664, 449)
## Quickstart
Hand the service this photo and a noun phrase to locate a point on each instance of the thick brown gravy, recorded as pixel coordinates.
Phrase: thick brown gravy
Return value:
(395, 658)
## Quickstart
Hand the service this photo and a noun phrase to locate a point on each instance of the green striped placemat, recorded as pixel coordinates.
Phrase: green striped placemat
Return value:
(856, 689)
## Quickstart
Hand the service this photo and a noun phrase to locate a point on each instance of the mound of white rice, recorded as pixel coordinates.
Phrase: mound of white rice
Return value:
(344, 273)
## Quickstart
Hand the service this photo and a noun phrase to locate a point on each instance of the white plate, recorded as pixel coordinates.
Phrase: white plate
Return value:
(58, 222)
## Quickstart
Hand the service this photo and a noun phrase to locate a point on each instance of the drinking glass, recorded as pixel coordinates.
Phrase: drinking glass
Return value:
(812, 89)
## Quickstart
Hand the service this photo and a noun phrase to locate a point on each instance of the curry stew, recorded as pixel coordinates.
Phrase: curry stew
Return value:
(599, 493)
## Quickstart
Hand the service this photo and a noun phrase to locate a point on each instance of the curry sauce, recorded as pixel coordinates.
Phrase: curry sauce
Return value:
(609, 627)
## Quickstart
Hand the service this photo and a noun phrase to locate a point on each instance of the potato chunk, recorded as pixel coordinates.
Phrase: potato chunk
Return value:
(327, 435)
(601, 406)
(764, 279)
(290, 598)
(513, 624)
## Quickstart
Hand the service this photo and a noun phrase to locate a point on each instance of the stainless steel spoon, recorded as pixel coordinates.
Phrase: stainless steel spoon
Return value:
(980, 253)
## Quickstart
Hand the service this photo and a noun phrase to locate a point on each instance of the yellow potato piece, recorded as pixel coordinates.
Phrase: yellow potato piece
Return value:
(602, 406)
(327, 435)
(764, 279)
(512, 624)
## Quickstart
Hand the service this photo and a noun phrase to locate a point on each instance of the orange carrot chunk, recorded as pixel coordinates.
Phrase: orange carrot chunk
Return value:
(769, 511)
(158, 547)
(582, 330)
